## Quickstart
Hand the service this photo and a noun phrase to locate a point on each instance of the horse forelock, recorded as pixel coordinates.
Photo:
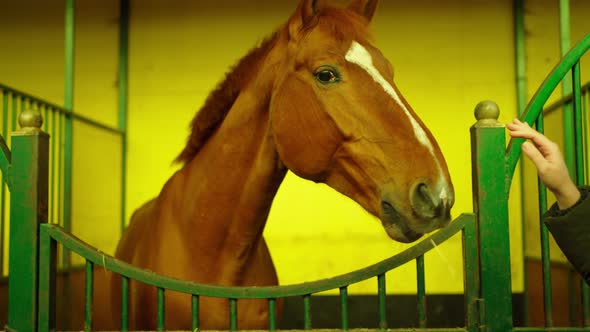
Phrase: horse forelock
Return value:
(340, 24)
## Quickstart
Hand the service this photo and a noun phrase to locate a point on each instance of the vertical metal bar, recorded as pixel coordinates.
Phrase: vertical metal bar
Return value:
(5, 96)
(344, 307)
(568, 119)
(577, 102)
(45, 117)
(521, 98)
(68, 105)
(581, 155)
(23, 103)
(124, 303)
(421, 290)
(89, 288)
(572, 297)
(44, 110)
(47, 281)
(123, 104)
(307, 312)
(60, 169)
(14, 111)
(233, 314)
(584, 287)
(471, 276)
(28, 210)
(53, 146)
(50, 164)
(272, 314)
(69, 56)
(585, 303)
(161, 309)
(195, 311)
(382, 301)
(545, 253)
(585, 104)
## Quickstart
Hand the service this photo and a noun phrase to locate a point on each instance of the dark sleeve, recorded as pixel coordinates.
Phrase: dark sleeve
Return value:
(571, 230)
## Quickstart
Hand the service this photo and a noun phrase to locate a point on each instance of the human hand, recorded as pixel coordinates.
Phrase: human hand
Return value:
(549, 162)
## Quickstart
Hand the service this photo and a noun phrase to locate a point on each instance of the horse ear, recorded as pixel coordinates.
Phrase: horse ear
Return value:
(365, 8)
(305, 13)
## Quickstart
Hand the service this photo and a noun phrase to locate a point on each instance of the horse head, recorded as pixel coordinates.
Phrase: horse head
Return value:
(337, 117)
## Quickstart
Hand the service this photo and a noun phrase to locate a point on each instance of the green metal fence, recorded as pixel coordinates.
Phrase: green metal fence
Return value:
(52, 235)
(56, 119)
(13, 103)
(34, 245)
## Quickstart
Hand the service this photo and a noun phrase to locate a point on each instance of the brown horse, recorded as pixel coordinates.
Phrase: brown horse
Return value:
(315, 98)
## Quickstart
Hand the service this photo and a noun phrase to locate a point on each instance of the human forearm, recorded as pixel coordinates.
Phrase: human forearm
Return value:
(566, 195)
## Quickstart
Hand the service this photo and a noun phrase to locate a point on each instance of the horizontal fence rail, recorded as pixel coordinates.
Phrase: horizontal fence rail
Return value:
(99, 259)
(584, 90)
(34, 100)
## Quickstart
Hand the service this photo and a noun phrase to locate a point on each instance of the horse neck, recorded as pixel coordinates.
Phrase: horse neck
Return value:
(223, 196)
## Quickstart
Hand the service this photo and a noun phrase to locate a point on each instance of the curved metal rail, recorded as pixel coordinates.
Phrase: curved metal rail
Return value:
(535, 106)
(100, 259)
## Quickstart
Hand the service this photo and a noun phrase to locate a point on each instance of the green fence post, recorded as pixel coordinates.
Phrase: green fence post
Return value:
(28, 209)
(68, 147)
(490, 205)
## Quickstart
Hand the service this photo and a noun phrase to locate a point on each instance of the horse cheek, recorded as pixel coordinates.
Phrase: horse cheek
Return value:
(305, 136)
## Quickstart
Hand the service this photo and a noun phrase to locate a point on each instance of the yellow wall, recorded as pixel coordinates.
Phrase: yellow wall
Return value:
(448, 56)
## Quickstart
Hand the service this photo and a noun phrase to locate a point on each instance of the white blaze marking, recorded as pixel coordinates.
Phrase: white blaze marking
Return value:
(358, 55)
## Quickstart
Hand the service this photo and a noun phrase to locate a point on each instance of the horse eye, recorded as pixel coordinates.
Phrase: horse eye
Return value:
(327, 76)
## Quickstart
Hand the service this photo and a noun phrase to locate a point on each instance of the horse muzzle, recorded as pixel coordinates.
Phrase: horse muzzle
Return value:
(431, 204)
(430, 210)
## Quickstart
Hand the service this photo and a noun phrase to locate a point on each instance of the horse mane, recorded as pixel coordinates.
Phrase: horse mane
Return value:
(342, 24)
(221, 100)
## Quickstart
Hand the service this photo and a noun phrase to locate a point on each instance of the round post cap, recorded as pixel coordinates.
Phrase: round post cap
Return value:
(487, 110)
(30, 119)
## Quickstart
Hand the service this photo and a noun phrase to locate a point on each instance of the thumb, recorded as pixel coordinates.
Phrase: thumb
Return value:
(533, 154)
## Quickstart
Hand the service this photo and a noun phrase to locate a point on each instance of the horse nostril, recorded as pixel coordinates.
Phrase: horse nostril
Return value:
(423, 201)
(425, 194)
(387, 207)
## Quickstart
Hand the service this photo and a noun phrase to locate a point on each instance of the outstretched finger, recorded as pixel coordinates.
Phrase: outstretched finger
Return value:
(518, 128)
(523, 130)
